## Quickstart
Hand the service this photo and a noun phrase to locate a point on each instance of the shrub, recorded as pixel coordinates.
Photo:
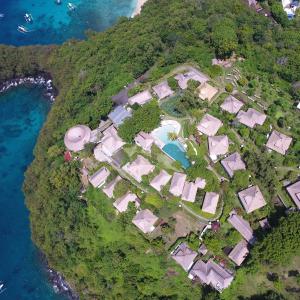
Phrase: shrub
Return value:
(229, 88)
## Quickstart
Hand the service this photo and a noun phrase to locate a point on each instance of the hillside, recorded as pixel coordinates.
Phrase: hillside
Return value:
(101, 255)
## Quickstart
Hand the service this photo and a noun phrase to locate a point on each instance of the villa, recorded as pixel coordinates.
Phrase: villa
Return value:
(138, 168)
(184, 256)
(210, 202)
(239, 253)
(121, 204)
(145, 220)
(294, 192)
(140, 98)
(212, 274)
(242, 226)
(159, 181)
(207, 92)
(163, 90)
(279, 142)
(252, 199)
(232, 105)
(109, 144)
(233, 163)
(99, 178)
(144, 140)
(189, 192)
(209, 125)
(251, 117)
(217, 145)
(119, 115)
(109, 188)
(77, 137)
(177, 184)
(195, 75)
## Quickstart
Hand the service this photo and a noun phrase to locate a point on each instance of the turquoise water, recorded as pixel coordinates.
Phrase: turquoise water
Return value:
(176, 153)
(173, 148)
(22, 114)
(54, 23)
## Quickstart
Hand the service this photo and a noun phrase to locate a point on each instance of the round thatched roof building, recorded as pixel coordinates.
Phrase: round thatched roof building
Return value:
(76, 137)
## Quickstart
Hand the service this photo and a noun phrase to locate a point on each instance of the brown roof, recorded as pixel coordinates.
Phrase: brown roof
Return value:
(209, 125)
(217, 145)
(184, 256)
(140, 98)
(252, 198)
(279, 142)
(239, 252)
(251, 117)
(206, 91)
(242, 226)
(159, 181)
(121, 204)
(232, 105)
(212, 274)
(233, 163)
(294, 192)
(177, 184)
(163, 90)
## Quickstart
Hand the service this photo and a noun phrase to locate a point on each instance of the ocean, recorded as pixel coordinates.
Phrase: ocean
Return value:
(23, 111)
(54, 24)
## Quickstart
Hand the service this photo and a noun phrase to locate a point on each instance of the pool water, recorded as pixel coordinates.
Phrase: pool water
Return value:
(177, 154)
(174, 149)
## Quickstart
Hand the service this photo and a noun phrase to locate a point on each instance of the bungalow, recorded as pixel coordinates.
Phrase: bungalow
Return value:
(217, 145)
(212, 274)
(159, 181)
(140, 98)
(77, 137)
(145, 220)
(121, 204)
(210, 202)
(138, 168)
(232, 105)
(144, 140)
(242, 226)
(233, 163)
(200, 183)
(99, 178)
(251, 117)
(118, 115)
(279, 142)
(163, 90)
(209, 125)
(195, 75)
(177, 184)
(239, 253)
(109, 144)
(252, 198)
(189, 192)
(184, 256)
(294, 192)
(109, 188)
(206, 91)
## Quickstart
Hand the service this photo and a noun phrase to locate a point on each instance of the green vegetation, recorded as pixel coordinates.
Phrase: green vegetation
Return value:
(145, 118)
(102, 254)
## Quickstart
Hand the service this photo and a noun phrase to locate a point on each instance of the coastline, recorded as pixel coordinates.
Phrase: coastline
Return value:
(138, 7)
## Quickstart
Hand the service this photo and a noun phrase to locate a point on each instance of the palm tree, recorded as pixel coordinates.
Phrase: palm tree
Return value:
(172, 136)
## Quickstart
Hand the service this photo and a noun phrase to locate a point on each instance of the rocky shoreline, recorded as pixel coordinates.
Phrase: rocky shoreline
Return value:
(44, 81)
(60, 286)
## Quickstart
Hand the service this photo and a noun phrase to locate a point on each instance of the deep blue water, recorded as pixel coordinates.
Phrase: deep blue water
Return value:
(54, 23)
(176, 153)
(22, 114)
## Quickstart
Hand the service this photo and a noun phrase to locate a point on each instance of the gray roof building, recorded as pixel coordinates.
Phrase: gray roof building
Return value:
(212, 274)
(294, 192)
(184, 256)
(239, 253)
(233, 163)
(118, 115)
(242, 226)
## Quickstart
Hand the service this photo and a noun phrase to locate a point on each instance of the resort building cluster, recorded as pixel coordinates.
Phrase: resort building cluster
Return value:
(108, 153)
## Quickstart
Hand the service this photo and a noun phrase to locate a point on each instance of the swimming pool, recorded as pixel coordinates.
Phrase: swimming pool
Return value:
(173, 149)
